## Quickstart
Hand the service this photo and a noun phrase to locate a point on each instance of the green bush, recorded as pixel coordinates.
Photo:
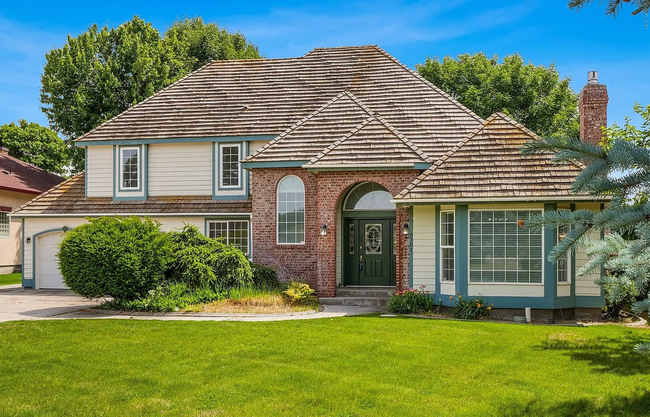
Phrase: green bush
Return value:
(168, 297)
(203, 262)
(410, 301)
(123, 258)
(298, 292)
(264, 277)
(470, 308)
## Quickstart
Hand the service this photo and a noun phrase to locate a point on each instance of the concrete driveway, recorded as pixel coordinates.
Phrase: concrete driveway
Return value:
(17, 303)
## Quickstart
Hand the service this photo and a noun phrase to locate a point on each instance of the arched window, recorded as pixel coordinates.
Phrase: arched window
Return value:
(369, 196)
(291, 210)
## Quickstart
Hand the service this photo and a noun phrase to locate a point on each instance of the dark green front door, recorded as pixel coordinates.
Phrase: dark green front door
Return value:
(369, 252)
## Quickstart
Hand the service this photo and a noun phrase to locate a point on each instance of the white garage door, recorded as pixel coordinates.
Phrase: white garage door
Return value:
(47, 266)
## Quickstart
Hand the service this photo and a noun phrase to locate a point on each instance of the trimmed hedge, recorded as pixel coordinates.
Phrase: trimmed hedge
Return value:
(117, 257)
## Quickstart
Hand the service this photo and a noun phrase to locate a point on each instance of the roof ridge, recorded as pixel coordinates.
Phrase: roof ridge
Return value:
(307, 118)
(135, 106)
(45, 193)
(348, 135)
(430, 85)
(403, 138)
(445, 157)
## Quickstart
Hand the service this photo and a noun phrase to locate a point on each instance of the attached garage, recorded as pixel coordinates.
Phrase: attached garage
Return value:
(46, 263)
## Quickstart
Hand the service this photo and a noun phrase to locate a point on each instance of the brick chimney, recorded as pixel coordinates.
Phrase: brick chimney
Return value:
(593, 109)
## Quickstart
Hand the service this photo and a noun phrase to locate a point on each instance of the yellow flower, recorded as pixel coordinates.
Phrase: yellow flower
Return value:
(451, 297)
(460, 296)
(489, 308)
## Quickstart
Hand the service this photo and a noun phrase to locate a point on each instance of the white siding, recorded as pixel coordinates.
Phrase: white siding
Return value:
(180, 169)
(506, 290)
(253, 147)
(424, 247)
(99, 177)
(585, 284)
(38, 225)
(563, 290)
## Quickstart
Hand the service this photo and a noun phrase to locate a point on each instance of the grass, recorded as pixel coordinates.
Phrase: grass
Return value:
(350, 366)
(8, 279)
(254, 300)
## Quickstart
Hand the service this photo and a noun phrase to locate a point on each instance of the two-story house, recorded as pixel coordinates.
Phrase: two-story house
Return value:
(342, 168)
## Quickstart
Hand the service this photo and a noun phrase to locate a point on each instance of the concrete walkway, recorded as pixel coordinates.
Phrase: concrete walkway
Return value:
(17, 303)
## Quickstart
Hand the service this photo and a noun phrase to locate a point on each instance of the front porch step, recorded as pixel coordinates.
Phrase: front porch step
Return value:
(354, 301)
(381, 292)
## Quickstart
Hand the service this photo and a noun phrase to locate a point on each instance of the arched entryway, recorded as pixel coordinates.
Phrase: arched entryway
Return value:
(369, 236)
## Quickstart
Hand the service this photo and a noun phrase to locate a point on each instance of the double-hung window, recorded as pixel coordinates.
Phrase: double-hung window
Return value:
(232, 232)
(291, 210)
(230, 168)
(564, 262)
(503, 251)
(447, 245)
(129, 168)
(4, 224)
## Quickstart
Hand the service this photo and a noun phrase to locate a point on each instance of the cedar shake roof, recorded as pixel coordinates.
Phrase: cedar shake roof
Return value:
(68, 198)
(488, 164)
(19, 176)
(373, 142)
(268, 96)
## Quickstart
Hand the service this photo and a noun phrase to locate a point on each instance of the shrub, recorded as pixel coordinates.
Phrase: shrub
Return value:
(410, 301)
(168, 297)
(470, 308)
(264, 277)
(117, 257)
(203, 262)
(619, 296)
(298, 292)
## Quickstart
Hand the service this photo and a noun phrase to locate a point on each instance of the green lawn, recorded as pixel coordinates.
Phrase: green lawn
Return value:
(357, 366)
(6, 279)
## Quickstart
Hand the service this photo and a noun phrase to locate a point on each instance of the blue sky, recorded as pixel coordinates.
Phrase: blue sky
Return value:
(541, 31)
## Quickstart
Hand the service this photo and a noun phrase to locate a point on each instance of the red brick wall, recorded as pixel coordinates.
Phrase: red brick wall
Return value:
(315, 261)
(593, 112)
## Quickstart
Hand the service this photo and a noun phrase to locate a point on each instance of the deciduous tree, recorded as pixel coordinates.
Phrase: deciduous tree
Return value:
(35, 144)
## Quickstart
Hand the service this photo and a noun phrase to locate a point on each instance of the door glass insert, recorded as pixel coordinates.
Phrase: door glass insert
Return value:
(394, 239)
(351, 240)
(373, 239)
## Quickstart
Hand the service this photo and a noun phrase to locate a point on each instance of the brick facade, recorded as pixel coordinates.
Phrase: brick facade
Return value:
(315, 260)
(593, 112)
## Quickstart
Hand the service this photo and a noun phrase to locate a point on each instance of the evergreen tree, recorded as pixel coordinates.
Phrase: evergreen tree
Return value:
(620, 171)
(614, 6)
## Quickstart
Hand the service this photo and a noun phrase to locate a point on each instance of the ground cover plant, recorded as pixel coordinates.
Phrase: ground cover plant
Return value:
(8, 279)
(410, 301)
(349, 366)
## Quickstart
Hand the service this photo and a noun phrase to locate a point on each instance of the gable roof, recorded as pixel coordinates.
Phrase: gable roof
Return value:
(267, 96)
(373, 142)
(67, 198)
(487, 165)
(19, 176)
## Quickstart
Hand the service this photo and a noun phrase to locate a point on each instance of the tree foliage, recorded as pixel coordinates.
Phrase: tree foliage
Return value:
(613, 7)
(35, 144)
(533, 95)
(102, 72)
(620, 173)
(628, 132)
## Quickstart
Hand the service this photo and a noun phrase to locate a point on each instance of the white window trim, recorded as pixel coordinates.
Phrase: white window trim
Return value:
(515, 208)
(448, 247)
(8, 236)
(121, 162)
(239, 168)
(227, 239)
(568, 261)
(277, 213)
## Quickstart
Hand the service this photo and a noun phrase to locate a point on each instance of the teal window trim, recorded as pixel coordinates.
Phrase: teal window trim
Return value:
(462, 248)
(235, 218)
(152, 141)
(142, 190)
(549, 270)
(240, 176)
(437, 237)
(139, 169)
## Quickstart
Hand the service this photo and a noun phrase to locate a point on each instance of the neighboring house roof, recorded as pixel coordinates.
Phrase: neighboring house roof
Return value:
(19, 176)
(68, 198)
(268, 96)
(487, 164)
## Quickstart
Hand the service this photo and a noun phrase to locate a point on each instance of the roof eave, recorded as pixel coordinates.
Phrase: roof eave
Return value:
(464, 200)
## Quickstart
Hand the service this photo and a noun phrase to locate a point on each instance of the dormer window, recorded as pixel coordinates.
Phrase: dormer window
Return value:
(129, 168)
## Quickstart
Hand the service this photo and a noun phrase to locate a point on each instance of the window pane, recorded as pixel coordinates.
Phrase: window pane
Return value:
(130, 162)
(230, 166)
(291, 210)
(4, 224)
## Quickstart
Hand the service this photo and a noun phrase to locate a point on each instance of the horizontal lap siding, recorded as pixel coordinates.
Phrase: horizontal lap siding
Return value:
(585, 284)
(99, 176)
(180, 169)
(424, 247)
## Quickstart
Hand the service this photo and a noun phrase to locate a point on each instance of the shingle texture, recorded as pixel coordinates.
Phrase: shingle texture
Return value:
(16, 175)
(488, 164)
(68, 198)
(268, 96)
